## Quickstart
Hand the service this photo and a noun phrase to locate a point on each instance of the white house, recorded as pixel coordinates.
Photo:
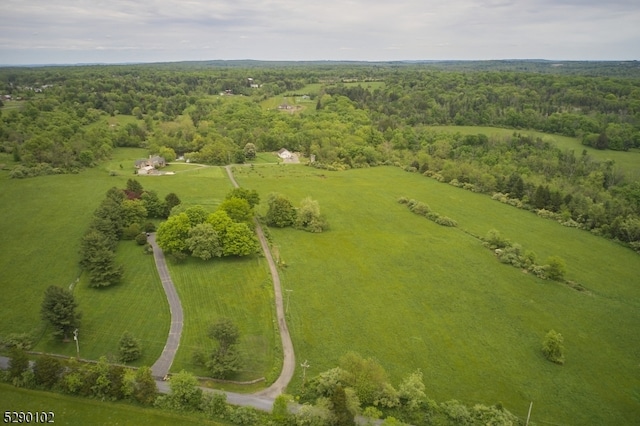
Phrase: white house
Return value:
(284, 154)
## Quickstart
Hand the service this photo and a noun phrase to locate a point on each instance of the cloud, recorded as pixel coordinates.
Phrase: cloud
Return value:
(171, 30)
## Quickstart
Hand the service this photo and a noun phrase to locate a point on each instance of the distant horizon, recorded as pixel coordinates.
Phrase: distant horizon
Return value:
(355, 61)
(67, 32)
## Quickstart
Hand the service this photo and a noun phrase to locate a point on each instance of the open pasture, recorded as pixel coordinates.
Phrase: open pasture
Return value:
(627, 161)
(394, 286)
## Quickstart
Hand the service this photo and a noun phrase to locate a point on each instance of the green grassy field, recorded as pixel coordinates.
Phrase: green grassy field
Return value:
(627, 161)
(43, 221)
(392, 285)
(70, 410)
(239, 289)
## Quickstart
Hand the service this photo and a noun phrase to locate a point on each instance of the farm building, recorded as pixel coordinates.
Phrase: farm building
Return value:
(284, 154)
(146, 166)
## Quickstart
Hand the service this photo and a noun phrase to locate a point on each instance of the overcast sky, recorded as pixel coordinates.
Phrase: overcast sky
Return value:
(88, 31)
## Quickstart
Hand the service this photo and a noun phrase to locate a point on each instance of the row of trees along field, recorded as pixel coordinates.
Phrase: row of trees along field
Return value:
(64, 127)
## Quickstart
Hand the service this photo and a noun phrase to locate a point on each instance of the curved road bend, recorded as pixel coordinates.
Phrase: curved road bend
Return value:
(289, 359)
(161, 367)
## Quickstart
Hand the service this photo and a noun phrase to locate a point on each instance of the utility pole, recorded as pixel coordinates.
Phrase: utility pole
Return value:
(286, 311)
(75, 337)
(304, 366)
(529, 415)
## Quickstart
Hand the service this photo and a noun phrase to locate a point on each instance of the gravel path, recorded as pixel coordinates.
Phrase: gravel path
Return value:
(289, 360)
(161, 367)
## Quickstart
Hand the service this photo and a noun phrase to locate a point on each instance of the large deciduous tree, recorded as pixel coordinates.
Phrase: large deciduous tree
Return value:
(309, 217)
(59, 308)
(281, 212)
(238, 209)
(239, 240)
(204, 242)
(251, 195)
(172, 235)
(249, 151)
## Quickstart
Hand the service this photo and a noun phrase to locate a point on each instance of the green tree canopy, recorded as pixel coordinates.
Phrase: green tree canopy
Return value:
(281, 212)
(172, 234)
(238, 209)
(203, 241)
(59, 309)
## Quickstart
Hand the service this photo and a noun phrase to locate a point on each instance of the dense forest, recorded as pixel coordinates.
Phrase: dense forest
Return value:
(53, 120)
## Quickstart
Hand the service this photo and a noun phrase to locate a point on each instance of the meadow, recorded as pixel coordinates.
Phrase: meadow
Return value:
(382, 281)
(394, 286)
(69, 410)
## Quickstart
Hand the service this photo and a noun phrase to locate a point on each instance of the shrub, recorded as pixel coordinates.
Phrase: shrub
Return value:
(421, 208)
(141, 239)
(244, 416)
(556, 267)
(17, 340)
(446, 221)
(552, 347)
(215, 405)
(131, 232)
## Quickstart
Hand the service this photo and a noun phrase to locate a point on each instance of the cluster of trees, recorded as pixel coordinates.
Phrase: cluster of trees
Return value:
(226, 232)
(281, 214)
(360, 386)
(123, 214)
(104, 381)
(567, 105)
(530, 173)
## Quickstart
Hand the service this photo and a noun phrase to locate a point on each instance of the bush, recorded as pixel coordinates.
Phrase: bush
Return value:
(131, 232)
(445, 221)
(556, 268)
(552, 347)
(141, 239)
(17, 340)
(244, 416)
(421, 208)
(214, 405)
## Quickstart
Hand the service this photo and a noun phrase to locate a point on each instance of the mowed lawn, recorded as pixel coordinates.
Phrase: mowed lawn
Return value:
(44, 219)
(69, 410)
(394, 286)
(239, 289)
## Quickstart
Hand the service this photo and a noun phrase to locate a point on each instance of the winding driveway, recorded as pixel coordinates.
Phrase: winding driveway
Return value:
(161, 367)
(289, 358)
